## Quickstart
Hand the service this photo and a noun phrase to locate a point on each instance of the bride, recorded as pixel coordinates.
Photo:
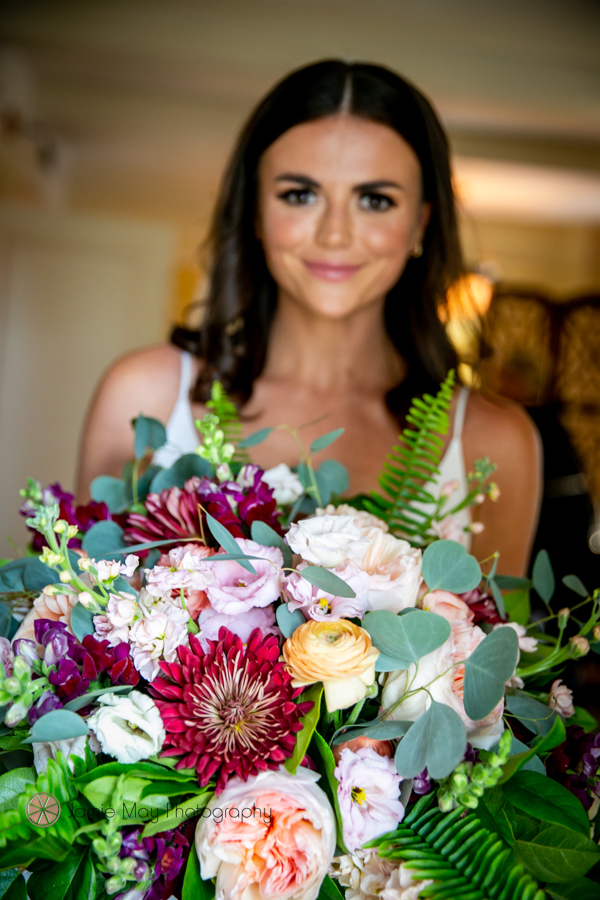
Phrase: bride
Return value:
(334, 242)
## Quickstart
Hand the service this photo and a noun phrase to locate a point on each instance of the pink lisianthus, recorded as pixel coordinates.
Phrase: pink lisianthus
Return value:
(318, 604)
(210, 622)
(236, 590)
(368, 789)
(448, 605)
(270, 837)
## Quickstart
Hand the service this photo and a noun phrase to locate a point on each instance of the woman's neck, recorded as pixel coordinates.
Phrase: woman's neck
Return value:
(334, 356)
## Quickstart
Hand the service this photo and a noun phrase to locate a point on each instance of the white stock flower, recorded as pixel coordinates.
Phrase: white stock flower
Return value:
(363, 873)
(394, 568)
(107, 569)
(401, 885)
(128, 728)
(526, 644)
(327, 541)
(188, 571)
(121, 609)
(46, 750)
(157, 635)
(284, 483)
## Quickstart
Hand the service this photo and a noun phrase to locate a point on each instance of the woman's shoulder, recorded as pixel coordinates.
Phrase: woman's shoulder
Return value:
(499, 427)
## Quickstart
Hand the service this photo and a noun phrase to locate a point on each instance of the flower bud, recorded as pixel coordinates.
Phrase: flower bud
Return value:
(21, 670)
(459, 783)
(475, 790)
(60, 526)
(113, 865)
(99, 846)
(85, 564)
(113, 844)
(479, 773)
(12, 686)
(141, 871)
(493, 491)
(596, 632)
(479, 498)
(580, 646)
(504, 745)
(114, 884)
(470, 801)
(476, 527)
(26, 649)
(127, 866)
(445, 800)
(17, 712)
(563, 617)
(65, 577)
(72, 531)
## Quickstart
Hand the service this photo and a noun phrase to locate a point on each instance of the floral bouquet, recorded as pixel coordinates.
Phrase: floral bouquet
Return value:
(219, 682)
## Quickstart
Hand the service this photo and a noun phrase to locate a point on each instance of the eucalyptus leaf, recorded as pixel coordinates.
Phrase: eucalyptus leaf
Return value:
(225, 539)
(11, 575)
(497, 594)
(112, 491)
(5, 618)
(388, 730)
(532, 765)
(437, 740)
(487, 669)
(82, 621)
(37, 575)
(512, 583)
(543, 576)
(149, 434)
(576, 584)
(85, 699)
(186, 467)
(447, 566)
(385, 663)
(289, 620)
(326, 439)
(263, 534)
(535, 716)
(58, 725)
(406, 638)
(327, 581)
(547, 800)
(257, 437)
(100, 540)
(309, 723)
(333, 474)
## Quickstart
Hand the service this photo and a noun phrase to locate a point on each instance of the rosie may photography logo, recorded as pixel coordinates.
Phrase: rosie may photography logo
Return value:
(43, 810)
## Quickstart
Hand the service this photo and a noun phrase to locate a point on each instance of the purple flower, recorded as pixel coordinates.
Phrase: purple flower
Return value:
(6, 657)
(27, 649)
(68, 681)
(47, 703)
(421, 783)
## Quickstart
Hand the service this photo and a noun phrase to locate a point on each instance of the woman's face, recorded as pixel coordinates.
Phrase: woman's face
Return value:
(340, 212)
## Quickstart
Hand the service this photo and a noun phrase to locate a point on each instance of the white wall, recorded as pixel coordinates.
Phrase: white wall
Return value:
(75, 292)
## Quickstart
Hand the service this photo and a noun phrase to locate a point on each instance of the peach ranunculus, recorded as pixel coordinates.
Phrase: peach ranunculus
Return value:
(448, 605)
(57, 607)
(362, 519)
(394, 568)
(272, 836)
(338, 653)
(439, 672)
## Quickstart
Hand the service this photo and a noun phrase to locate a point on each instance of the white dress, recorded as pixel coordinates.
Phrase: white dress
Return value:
(182, 437)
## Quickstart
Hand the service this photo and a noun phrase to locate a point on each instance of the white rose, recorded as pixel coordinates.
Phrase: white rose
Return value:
(128, 728)
(362, 519)
(46, 750)
(285, 484)
(431, 666)
(394, 568)
(326, 541)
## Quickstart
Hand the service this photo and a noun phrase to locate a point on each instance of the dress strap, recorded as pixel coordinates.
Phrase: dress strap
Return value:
(459, 415)
(185, 379)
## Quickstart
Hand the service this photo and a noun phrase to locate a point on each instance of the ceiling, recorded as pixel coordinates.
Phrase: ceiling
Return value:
(147, 97)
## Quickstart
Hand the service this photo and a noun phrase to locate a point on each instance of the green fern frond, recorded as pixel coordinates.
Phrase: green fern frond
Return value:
(411, 465)
(229, 419)
(463, 858)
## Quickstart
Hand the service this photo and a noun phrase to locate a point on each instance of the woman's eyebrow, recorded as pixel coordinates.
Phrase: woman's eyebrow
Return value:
(377, 185)
(300, 179)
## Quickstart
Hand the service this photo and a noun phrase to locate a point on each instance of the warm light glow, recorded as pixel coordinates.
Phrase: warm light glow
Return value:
(469, 297)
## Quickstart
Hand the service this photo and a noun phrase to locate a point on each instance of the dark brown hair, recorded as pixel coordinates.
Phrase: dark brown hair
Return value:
(243, 295)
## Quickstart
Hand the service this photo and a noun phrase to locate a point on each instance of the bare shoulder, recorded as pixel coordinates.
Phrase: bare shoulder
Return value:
(497, 427)
(149, 376)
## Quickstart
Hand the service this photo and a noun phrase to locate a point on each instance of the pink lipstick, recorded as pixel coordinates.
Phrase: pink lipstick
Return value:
(331, 271)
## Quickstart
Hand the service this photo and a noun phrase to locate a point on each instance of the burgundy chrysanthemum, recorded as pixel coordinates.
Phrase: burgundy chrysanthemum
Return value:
(230, 709)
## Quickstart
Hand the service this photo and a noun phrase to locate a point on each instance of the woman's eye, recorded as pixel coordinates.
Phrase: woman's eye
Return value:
(375, 202)
(299, 197)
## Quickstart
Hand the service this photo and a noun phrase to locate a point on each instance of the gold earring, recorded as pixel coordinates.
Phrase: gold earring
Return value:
(418, 251)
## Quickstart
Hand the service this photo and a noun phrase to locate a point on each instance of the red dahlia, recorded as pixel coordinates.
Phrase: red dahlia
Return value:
(230, 709)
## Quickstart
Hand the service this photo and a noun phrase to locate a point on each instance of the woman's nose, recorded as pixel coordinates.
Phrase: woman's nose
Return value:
(335, 227)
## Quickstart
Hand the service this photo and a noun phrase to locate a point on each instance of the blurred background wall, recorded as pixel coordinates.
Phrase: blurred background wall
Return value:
(116, 122)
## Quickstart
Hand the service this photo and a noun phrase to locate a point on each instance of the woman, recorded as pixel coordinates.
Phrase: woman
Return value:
(334, 242)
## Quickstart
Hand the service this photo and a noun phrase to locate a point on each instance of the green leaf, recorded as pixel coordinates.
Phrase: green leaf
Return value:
(512, 583)
(535, 716)
(54, 881)
(6, 879)
(547, 800)
(12, 784)
(112, 491)
(447, 566)
(557, 854)
(5, 620)
(82, 621)
(487, 669)
(330, 786)
(149, 434)
(576, 584)
(333, 475)
(257, 437)
(220, 534)
(555, 736)
(518, 606)
(193, 886)
(327, 581)
(58, 725)
(182, 470)
(497, 594)
(11, 575)
(329, 890)
(177, 815)
(406, 639)
(309, 723)
(100, 540)
(263, 534)
(151, 771)
(578, 889)
(326, 439)
(543, 576)
(387, 730)
(288, 620)
(37, 575)
(584, 719)
(532, 765)
(84, 699)
(437, 740)
(17, 890)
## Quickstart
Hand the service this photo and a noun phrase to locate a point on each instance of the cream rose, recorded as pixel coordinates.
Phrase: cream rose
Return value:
(338, 653)
(448, 605)
(394, 568)
(128, 728)
(362, 519)
(272, 836)
(327, 541)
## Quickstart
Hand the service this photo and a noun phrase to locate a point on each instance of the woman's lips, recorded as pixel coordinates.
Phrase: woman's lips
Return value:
(331, 271)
